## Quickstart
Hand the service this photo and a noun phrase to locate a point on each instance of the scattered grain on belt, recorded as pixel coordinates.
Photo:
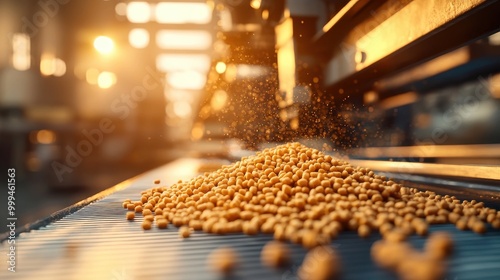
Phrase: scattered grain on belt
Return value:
(320, 263)
(410, 263)
(146, 225)
(130, 216)
(275, 254)
(184, 232)
(304, 196)
(223, 260)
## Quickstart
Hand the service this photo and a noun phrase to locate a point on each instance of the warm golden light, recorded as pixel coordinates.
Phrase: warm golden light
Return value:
(21, 52)
(91, 76)
(231, 73)
(45, 136)
(183, 12)
(370, 97)
(106, 80)
(220, 67)
(174, 62)
(265, 14)
(239, 71)
(138, 12)
(173, 95)
(33, 163)
(495, 39)
(219, 100)
(60, 67)
(255, 4)
(494, 86)
(138, 38)
(104, 44)
(399, 100)
(182, 109)
(121, 9)
(220, 47)
(197, 131)
(294, 123)
(225, 20)
(179, 109)
(47, 65)
(184, 39)
(187, 79)
(50, 65)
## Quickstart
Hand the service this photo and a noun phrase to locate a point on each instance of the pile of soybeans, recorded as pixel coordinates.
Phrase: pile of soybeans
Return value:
(304, 196)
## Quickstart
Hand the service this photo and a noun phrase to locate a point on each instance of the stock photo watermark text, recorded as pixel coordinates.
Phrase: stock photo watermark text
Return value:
(11, 219)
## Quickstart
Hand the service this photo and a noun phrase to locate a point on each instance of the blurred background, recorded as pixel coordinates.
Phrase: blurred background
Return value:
(95, 92)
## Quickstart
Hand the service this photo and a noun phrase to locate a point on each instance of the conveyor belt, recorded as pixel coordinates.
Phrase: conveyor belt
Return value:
(96, 242)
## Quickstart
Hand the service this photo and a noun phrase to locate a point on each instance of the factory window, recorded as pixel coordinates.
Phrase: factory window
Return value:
(182, 13)
(21, 55)
(139, 12)
(138, 38)
(172, 62)
(52, 66)
(184, 39)
(106, 79)
(104, 45)
(186, 79)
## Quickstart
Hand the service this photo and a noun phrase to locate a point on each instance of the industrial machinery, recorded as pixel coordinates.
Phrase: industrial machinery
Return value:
(410, 89)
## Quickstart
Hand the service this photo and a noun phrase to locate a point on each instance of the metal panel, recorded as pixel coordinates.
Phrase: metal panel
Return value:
(411, 34)
(454, 170)
(429, 151)
(410, 24)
